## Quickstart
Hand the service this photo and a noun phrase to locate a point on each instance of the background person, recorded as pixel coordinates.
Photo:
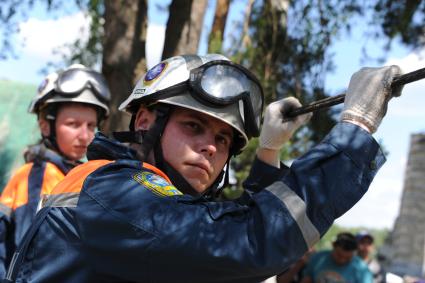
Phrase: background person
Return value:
(149, 212)
(365, 251)
(69, 106)
(339, 265)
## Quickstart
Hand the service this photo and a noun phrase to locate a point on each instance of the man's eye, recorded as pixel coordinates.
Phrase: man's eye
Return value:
(71, 124)
(223, 140)
(193, 126)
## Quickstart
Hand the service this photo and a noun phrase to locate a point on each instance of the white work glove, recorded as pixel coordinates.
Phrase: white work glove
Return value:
(277, 129)
(368, 94)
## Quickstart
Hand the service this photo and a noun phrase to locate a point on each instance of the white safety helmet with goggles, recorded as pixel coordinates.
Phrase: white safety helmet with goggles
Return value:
(75, 84)
(210, 84)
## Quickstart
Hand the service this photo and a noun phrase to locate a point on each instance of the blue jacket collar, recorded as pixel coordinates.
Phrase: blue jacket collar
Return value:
(103, 147)
(40, 153)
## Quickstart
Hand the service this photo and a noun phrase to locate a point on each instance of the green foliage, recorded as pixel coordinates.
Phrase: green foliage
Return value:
(18, 128)
(232, 192)
(288, 52)
(90, 53)
(401, 18)
(215, 42)
(84, 51)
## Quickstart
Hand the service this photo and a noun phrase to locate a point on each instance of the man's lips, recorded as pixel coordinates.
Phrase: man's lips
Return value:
(80, 147)
(201, 166)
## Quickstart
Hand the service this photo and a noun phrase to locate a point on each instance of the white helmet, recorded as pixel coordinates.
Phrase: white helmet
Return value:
(210, 84)
(75, 84)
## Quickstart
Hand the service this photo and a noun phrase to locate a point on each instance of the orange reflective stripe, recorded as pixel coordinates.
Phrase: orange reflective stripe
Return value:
(157, 171)
(73, 182)
(52, 176)
(15, 193)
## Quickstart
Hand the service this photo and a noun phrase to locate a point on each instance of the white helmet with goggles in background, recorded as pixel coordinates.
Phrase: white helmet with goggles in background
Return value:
(75, 84)
(210, 84)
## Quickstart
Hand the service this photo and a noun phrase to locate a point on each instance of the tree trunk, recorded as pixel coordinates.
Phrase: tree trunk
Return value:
(184, 27)
(246, 41)
(276, 12)
(215, 40)
(124, 58)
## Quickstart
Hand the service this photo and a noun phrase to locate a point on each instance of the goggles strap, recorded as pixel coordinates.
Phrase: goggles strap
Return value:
(147, 139)
(50, 140)
(192, 61)
(153, 135)
(132, 122)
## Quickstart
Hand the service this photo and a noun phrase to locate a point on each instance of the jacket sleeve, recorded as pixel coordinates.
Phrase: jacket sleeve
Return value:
(182, 239)
(262, 175)
(329, 179)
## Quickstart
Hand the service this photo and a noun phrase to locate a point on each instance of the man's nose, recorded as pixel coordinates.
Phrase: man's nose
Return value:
(209, 145)
(85, 133)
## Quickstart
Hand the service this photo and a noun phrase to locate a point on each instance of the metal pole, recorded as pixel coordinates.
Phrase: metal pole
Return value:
(334, 100)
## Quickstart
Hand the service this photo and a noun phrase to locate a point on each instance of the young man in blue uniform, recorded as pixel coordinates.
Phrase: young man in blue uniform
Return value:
(69, 105)
(148, 212)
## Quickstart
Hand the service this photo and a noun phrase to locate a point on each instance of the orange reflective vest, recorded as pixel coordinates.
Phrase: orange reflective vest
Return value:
(19, 199)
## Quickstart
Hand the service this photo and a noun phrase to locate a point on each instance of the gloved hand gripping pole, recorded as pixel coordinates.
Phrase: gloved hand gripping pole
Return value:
(334, 100)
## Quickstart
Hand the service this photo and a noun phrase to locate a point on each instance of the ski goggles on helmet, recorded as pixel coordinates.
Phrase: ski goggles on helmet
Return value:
(221, 83)
(72, 82)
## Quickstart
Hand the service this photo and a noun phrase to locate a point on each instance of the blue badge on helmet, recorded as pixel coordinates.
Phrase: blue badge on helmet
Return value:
(154, 73)
(43, 85)
(156, 184)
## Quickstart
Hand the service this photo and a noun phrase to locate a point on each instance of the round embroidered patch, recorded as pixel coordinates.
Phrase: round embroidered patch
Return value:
(154, 73)
(156, 184)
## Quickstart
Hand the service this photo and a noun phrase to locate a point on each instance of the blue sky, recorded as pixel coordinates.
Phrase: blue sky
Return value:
(405, 116)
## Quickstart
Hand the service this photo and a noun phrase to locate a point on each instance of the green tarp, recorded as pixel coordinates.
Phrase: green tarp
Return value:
(18, 128)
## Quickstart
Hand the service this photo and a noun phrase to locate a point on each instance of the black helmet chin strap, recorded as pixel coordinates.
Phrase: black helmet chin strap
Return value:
(50, 140)
(146, 138)
(215, 190)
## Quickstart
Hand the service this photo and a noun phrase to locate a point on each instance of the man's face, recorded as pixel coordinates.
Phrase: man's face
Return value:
(365, 247)
(75, 127)
(197, 146)
(341, 256)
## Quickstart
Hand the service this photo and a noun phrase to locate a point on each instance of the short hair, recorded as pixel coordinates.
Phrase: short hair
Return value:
(364, 235)
(346, 241)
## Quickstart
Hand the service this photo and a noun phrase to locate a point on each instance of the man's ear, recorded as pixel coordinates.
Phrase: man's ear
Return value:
(144, 118)
(44, 127)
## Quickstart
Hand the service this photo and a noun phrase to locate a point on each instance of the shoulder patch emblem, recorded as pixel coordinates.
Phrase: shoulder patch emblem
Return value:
(156, 184)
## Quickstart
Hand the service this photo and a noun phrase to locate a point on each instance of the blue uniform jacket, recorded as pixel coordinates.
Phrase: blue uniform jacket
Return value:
(125, 222)
(20, 198)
